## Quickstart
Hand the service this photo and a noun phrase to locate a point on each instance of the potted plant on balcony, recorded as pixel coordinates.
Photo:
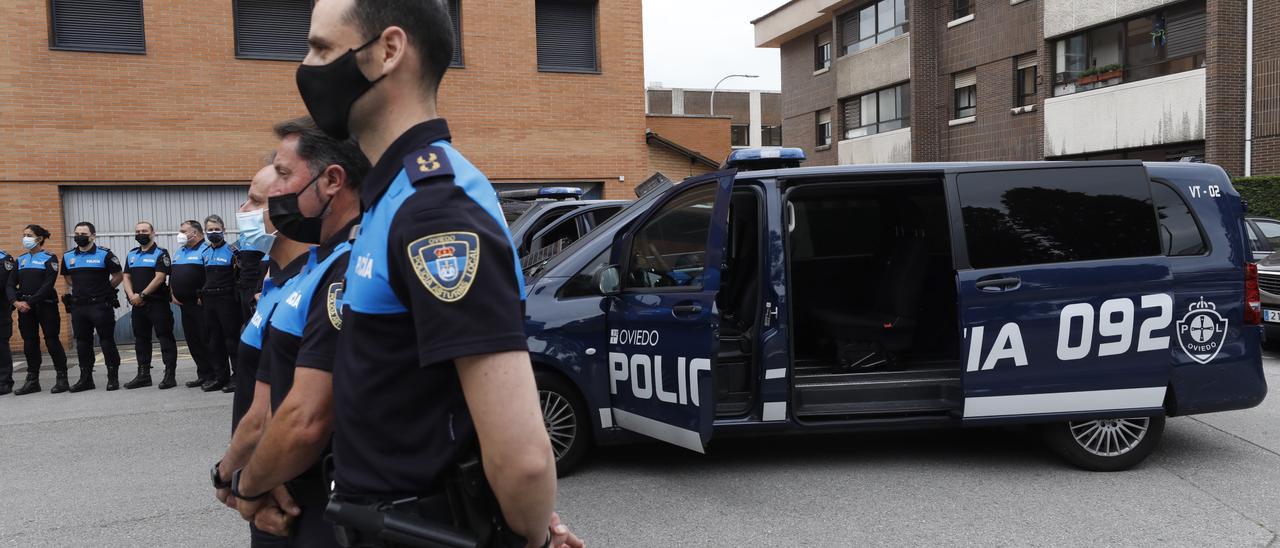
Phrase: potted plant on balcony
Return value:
(1110, 71)
(1087, 77)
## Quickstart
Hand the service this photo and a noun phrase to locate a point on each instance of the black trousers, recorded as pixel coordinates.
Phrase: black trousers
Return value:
(6, 356)
(311, 529)
(262, 539)
(247, 304)
(222, 323)
(197, 338)
(44, 317)
(87, 318)
(154, 315)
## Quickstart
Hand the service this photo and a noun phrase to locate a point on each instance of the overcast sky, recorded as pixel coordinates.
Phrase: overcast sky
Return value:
(694, 43)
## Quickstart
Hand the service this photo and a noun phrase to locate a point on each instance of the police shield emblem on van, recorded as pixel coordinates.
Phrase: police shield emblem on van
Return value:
(1202, 331)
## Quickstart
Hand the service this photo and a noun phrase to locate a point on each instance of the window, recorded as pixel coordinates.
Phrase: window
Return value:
(272, 29)
(824, 128)
(1156, 44)
(670, 249)
(567, 36)
(822, 51)
(1179, 233)
(113, 26)
(738, 136)
(872, 24)
(1270, 232)
(1017, 218)
(966, 103)
(961, 8)
(1024, 77)
(455, 16)
(582, 284)
(600, 215)
(771, 136)
(877, 112)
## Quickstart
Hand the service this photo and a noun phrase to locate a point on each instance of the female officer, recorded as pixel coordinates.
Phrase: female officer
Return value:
(221, 309)
(37, 304)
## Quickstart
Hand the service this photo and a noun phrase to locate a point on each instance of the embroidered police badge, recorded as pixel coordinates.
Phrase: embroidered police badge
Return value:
(8, 265)
(334, 305)
(446, 263)
(1202, 331)
(165, 259)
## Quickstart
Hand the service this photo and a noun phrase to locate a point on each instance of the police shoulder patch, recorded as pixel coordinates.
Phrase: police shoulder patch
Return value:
(164, 258)
(334, 304)
(426, 163)
(446, 263)
(115, 260)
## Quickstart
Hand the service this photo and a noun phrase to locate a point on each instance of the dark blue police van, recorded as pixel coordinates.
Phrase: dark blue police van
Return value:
(1090, 299)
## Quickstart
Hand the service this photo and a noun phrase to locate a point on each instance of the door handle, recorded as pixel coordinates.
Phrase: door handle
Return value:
(686, 309)
(1001, 283)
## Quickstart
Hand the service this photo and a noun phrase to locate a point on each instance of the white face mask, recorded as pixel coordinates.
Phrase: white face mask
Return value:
(28, 242)
(253, 231)
(181, 239)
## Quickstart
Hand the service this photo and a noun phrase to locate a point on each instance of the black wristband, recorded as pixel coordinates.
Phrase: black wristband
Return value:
(216, 478)
(547, 544)
(235, 488)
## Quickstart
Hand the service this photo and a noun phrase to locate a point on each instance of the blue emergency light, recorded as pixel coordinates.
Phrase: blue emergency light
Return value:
(754, 159)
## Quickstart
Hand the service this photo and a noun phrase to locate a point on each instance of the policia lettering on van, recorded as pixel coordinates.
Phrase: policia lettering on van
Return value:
(1094, 299)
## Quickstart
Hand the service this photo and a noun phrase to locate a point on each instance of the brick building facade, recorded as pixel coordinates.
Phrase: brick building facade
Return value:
(190, 110)
(1175, 87)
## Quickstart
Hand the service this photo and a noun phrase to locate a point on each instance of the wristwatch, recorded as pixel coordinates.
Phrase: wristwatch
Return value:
(216, 478)
(235, 487)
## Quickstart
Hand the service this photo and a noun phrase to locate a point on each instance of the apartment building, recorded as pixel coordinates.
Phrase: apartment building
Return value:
(955, 80)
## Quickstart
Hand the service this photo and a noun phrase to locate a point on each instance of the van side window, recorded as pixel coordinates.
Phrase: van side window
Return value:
(1179, 233)
(1271, 232)
(1042, 216)
(669, 250)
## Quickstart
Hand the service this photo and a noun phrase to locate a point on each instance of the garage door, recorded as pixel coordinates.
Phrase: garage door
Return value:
(114, 210)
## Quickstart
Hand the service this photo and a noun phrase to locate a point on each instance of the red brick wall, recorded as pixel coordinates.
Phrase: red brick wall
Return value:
(708, 136)
(1224, 119)
(674, 165)
(1266, 98)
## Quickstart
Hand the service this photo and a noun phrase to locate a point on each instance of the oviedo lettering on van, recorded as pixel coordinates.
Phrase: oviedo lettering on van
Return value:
(1201, 332)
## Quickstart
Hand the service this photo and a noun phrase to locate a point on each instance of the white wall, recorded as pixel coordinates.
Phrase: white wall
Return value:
(883, 148)
(1169, 109)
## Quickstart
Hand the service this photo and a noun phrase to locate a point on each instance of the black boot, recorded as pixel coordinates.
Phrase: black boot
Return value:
(60, 385)
(5, 389)
(196, 383)
(213, 385)
(113, 378)
(230, 387)
(85, 382)
(30, 387)
(169, 380)
(142, 379)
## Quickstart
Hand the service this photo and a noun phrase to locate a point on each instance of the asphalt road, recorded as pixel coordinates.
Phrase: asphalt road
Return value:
(130, 468)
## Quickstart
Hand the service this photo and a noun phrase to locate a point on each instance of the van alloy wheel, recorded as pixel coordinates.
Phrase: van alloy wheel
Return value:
(1110, 437)
(558, 417)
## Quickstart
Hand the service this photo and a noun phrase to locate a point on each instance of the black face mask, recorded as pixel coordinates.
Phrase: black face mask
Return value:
(330, 90)
(143, 239)
(215, 237)
(289, 220)
(81, 240)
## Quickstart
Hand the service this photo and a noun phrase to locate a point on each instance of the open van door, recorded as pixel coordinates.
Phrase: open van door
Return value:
(662, 318)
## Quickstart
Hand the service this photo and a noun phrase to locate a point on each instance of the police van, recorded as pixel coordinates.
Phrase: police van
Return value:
(1090, 299)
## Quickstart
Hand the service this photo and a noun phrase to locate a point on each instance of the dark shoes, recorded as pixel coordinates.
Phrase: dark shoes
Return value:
(229, 388)
(213, 385)
(196, 383)
(5, 389)
(61, 385)
(30, 387)
(85, 383)
(169, 381)
(141, 380)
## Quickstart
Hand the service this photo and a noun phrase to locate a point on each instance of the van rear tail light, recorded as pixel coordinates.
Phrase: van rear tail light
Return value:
(1252, 298)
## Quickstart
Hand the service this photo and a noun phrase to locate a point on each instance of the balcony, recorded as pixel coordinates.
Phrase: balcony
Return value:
(1156, 111)
(877, 67)
(882, 148)
(1067, 16)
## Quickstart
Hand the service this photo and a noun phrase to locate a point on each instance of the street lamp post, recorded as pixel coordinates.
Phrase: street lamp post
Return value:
(713, 90)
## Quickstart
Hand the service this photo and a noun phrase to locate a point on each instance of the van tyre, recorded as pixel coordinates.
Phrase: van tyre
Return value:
(1105, 445)
(566, 419)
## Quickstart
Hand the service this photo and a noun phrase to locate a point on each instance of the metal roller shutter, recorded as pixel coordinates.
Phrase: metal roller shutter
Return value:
(566, 36)
(97, 25)
(272, 29)
(1185, 34)
(455, 16)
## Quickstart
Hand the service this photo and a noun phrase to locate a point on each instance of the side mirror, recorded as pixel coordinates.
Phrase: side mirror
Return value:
(608, 280)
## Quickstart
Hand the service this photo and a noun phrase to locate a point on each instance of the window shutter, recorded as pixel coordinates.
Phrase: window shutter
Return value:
(1185, 34)
(966, 79)
(97, 25)
(1027, 61)
(272, 29)
(566, 36)
(455, 15)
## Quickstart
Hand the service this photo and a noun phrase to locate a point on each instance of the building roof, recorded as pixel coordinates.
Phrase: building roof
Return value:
(653, 138)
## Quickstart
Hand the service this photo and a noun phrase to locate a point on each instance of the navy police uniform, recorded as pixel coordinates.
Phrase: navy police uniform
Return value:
(8, 277)
(254, 336)
(253, 266)
(154, 314)
(433, 276)
(37, 272)
(221, 313)
(304, 333)
(93, 303)
(185, 280)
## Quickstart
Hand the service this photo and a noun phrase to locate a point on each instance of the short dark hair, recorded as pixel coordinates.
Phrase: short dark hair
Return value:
(427, 24)
(150, 226)
(87, 225)
(194, 225)
(321, 151)
(39, 231)
(215, 219)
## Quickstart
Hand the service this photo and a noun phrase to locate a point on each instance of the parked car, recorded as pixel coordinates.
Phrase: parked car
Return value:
(548, 221)
(851, 298)
(1264, 236)
(515, 203)
(1269, 286)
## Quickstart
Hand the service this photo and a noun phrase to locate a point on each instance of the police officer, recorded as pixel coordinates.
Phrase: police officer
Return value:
(93, 273)
(434, 295)
(8, 277)
(145, 270)
(185, 281)
(253, 263)
(221, 306)
(37, 304)
(313, 201)
(252, 407)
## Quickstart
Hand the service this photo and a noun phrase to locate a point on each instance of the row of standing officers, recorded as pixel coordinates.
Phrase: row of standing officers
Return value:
(211, 281)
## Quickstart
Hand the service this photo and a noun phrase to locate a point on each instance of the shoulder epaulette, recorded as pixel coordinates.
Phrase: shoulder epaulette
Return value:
(427, 163)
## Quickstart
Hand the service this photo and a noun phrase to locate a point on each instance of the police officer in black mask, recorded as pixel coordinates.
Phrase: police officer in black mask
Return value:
(93, 272)
(146, 270)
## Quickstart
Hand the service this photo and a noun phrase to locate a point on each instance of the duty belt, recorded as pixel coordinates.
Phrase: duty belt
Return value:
(214, 291)
(81, 301)
(361, 522)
